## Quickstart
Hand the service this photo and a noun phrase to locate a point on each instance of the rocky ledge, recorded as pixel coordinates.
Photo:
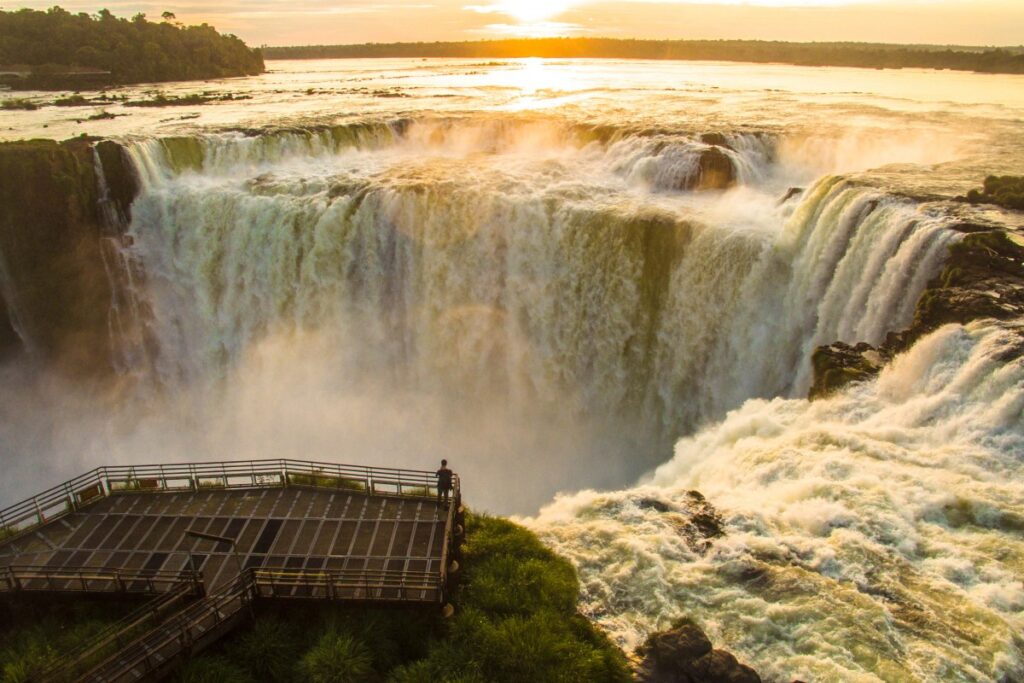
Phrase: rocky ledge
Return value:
(684, 654)
(55, 223)
(983, 278)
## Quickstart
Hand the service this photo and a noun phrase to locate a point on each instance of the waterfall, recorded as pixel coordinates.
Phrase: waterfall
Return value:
(127, 315)
(520, 261)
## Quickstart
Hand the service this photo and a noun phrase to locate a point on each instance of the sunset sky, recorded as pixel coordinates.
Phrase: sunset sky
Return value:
(286, 22)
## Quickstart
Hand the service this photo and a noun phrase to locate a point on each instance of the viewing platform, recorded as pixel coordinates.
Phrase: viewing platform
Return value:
(212, 538)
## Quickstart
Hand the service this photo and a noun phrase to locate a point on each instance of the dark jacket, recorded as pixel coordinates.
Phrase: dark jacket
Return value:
(444, 478)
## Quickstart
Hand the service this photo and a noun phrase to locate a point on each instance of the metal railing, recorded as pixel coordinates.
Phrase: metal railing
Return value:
(202, 622)
(197, 624)
(74, 663)
(30, 514)
(95, 580)
(370, 585)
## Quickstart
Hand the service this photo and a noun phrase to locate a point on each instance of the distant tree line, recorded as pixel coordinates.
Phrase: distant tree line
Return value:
(57, 43)
(875, 56)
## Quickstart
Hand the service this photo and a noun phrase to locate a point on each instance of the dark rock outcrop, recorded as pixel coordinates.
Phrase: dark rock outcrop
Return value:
(684, 654)
(52, 232)
(840, 364)
(694, 518)
(715, 140)
(982, 278)
(716, 170)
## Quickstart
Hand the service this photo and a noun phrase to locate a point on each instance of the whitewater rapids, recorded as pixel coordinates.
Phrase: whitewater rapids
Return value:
(875, 535)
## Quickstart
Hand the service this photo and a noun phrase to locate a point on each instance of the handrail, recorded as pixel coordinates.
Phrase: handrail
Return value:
(179, 627)
(233, 598)
(31, 513)
(95, 580)
(74, 663)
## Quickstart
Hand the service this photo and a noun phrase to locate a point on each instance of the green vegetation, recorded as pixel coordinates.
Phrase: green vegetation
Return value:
(58, 49)
(868, 55)
(72, 101)
(161, 100)
(1004, 191)
(18, 104)
(34, 636)
(320, 480)
(515, 620)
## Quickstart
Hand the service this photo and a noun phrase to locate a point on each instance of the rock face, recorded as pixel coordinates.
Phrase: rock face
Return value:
(717, 171)
(53, 229)
(983, 278)
(840, 364)
(684, 654)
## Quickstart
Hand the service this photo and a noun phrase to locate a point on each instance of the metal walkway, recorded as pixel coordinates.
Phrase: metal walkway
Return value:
(293, 530)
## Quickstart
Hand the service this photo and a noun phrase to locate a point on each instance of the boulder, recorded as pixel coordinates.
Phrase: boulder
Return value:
(715, 170)
(839, 364)
(684, 654)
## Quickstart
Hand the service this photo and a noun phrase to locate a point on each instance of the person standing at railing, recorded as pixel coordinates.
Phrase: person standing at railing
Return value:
(444, 483)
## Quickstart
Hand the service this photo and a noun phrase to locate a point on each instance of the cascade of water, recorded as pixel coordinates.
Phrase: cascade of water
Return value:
(123, 270)
(517, 282)
(846, 554)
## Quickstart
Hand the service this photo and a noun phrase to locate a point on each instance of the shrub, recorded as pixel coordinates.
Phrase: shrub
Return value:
(337, 658)
(1004, 191)
(213, 669)
(269, 650)
(17, 103)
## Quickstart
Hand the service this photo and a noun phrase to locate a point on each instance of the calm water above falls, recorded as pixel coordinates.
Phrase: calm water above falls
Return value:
(504, 263)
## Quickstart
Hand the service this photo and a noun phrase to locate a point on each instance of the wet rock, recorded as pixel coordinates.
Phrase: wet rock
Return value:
(982, 278)
(684, 654)
(716, 170)
(122, 182)
(790, 193)
(694, 518)
(653, 504)
(839, 364)
(9, 340)
(52, 236)
(715, 140)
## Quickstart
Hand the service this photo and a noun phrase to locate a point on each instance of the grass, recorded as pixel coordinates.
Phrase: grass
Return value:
(515, 620)
(320, 480)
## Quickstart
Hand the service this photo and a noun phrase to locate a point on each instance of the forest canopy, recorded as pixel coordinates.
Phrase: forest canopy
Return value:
(56, 48)
(868, 55)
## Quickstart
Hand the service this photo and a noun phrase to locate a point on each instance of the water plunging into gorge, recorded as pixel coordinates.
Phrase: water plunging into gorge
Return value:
(606, 325)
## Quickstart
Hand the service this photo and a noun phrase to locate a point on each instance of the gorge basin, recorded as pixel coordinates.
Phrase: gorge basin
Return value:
(595, 288)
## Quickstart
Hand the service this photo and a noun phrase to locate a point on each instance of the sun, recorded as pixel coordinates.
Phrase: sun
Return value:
(532, 11)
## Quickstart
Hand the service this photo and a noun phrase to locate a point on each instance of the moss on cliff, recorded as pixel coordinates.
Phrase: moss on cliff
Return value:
(51, 231)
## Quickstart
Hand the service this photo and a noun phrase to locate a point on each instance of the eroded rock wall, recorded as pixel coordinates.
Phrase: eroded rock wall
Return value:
(53, 232)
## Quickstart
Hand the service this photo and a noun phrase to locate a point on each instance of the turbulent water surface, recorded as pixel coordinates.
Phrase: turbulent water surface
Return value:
(514, 265)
